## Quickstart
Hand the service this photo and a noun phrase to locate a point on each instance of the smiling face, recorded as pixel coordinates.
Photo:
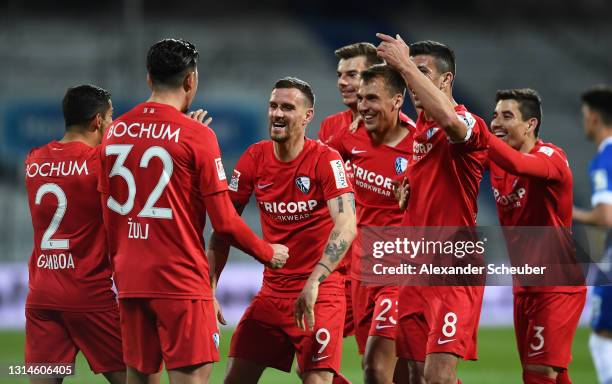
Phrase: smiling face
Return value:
(509, 125)
(348, 78)
(376, 106)
(288, 113)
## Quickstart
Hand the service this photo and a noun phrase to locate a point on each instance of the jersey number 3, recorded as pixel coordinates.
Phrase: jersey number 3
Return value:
(149, 210)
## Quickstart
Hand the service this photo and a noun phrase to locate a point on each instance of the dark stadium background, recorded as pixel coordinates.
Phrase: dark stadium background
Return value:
(559, 48)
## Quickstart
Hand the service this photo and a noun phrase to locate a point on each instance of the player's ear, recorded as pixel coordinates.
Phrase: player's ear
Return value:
(309, 116)
(447, 80)
(149, 81)
(531, 125)
(190, 81)
(97, 122)
(398, 101)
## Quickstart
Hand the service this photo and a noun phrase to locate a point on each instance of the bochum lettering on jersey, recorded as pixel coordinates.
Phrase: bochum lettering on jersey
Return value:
(148, 130)
(54, 169)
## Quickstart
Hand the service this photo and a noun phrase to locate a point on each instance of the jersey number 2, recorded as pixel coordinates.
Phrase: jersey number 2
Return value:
(149, 210)
(62, 203)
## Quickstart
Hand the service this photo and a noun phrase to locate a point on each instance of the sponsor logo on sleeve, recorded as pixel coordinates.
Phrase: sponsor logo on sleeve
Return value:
(220, 170)
(468, 119)
(303, 183)
(233, 185)
(400, 165)
(339, 174)
(600, 180)
(548, 151)
(431, 131)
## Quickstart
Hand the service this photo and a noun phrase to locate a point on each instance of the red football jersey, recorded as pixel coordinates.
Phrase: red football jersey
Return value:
(533, 201)
(374, 168)
(69, 268)
(158, 165)
(445, 177)
(292, 198)
(334, 124)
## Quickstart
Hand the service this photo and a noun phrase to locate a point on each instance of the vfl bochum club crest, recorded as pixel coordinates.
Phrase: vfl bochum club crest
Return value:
(400, 165)
(303, 183)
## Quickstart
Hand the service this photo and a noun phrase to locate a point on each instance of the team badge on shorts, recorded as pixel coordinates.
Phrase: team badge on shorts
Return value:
(215, 337)
(400, 165)
(303, 183)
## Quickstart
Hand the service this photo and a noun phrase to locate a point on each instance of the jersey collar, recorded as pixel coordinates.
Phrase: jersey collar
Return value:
(607, 141)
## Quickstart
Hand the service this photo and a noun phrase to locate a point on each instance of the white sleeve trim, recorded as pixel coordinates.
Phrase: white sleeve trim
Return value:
(468, 134)
(603, 197)
(469, 122)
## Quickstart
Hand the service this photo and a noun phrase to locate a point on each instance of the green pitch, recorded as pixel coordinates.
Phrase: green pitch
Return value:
(498, 361)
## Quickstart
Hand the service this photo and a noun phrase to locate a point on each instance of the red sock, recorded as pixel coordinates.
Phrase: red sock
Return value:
(340, 379)
(458, 381)
(531, 377)
(563, 377)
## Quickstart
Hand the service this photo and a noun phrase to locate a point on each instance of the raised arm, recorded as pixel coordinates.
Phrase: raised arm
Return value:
(435, 103)
(342, 211)
(522, 164)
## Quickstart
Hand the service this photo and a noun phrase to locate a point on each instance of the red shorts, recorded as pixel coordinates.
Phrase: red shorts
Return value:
(450, 316)
(267, 334)
(179, 332)
(349, 321)
(545, 324)
(54, 336)
(374, 311)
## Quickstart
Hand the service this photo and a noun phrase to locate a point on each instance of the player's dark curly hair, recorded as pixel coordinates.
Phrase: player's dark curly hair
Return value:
(445, 57)
(169, 61)
(599, 99)
(394, 82)
(301, 85)
(82, 102)
(529, 103)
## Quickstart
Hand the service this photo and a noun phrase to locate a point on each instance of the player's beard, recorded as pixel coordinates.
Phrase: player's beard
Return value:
(280, 138)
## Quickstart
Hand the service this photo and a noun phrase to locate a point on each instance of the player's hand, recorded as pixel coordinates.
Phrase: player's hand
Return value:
(281, 254)
(219, 313)
(394, 51)
(401, 192)
(304, 305)
(199, 115)
(355, 124)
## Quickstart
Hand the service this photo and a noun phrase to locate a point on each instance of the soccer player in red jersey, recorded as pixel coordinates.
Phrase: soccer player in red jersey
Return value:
(305, 201)
(71, 305)
(378, 154)
(352, 60)
(532, 185)
(162, 172)
(438, 324)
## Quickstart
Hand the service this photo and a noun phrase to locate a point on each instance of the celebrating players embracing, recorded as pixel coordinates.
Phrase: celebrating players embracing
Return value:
(163, 173)
(306, 202)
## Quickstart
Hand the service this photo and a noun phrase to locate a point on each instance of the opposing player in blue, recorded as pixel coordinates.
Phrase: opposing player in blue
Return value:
(597, 120)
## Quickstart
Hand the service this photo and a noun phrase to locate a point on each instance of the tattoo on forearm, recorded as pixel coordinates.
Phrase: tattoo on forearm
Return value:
(322, 278)
(334, 235)
(334, 250)
(340, 204)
